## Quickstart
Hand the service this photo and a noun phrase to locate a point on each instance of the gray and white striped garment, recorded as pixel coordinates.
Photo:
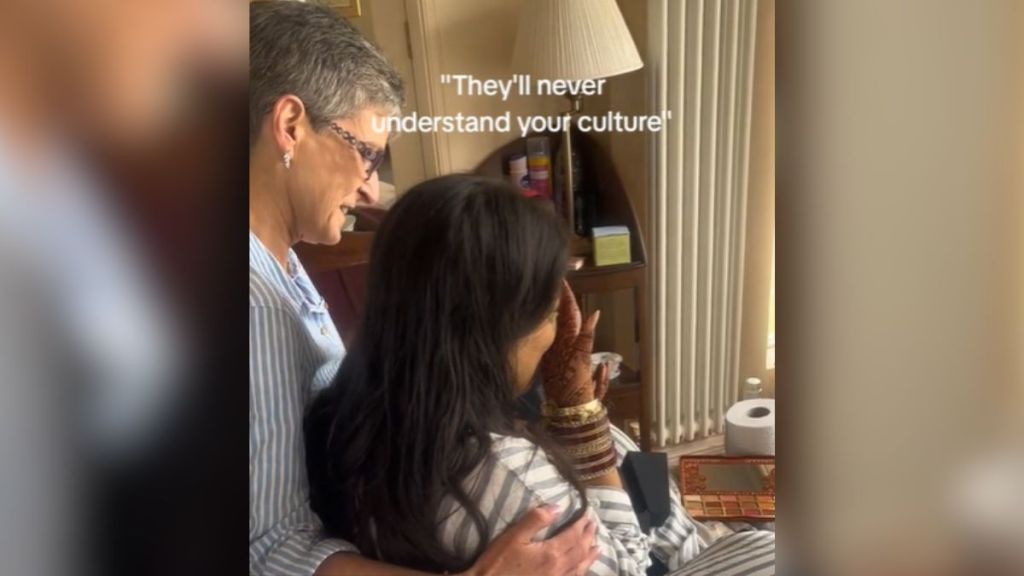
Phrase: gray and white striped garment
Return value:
(294, 350)
(520, 476)
(740, 554)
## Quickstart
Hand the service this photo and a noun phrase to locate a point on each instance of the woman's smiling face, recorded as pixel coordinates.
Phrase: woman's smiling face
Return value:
(330, 176)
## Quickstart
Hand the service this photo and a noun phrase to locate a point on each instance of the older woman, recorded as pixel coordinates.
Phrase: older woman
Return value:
(316, 88)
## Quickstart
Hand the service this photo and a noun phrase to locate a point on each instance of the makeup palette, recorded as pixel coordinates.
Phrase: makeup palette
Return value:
(728, 487)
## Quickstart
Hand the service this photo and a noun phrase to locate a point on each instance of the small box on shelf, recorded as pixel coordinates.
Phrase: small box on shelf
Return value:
(611, 245)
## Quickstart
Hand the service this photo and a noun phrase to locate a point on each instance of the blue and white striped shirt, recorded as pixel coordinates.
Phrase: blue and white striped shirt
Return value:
(294, 350)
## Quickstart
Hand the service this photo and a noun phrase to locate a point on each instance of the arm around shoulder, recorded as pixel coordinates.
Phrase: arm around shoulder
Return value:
(535, 481)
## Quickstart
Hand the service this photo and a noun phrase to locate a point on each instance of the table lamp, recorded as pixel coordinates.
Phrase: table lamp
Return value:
(573, 40)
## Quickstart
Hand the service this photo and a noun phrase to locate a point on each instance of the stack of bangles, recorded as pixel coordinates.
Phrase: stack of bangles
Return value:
(585, 434)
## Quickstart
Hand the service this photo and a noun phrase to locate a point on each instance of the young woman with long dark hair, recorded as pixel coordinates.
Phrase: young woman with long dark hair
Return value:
(414, 452)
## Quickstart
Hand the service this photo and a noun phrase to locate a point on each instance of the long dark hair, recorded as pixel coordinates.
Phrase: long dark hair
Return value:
(461, 268)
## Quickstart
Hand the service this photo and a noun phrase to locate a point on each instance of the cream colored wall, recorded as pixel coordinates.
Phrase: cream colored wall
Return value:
(477, 37)
(625, 93)
(364, 22)
(760, 203)
(384, 22)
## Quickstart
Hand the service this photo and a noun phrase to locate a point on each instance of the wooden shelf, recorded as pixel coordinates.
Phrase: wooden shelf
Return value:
(597, 279)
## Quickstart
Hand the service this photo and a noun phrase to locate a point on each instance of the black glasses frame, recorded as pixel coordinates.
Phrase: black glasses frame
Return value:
(372, 157)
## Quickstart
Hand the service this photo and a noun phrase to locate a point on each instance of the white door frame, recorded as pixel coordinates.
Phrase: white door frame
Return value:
(428, 62)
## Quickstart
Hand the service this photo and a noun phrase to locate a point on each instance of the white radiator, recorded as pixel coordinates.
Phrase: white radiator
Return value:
(700, 62)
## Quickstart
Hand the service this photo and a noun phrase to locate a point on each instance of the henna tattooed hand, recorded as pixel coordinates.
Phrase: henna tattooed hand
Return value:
(565, 367)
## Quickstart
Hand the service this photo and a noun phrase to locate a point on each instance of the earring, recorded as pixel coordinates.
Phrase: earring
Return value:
(288, 160)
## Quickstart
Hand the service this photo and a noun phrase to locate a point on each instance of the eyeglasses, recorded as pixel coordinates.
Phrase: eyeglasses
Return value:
(372, 157)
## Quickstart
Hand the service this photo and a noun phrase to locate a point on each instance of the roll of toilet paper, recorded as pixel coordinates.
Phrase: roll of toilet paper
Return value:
(750, 428)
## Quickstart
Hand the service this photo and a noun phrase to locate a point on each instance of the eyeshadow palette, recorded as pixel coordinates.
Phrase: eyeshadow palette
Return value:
(728, 487)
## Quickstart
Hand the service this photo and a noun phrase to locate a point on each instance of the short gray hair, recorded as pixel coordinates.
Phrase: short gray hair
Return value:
(309, 50)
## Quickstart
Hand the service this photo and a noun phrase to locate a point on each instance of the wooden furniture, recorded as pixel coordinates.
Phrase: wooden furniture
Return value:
(625, 399)
(339, 271)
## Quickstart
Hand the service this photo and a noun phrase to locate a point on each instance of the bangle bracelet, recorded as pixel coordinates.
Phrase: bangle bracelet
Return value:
(586, 477)
(597, 467)
(590, 448)
(552, 409)
(598, 474)
(591, 454)
(579, 420)
(580, 412)
(582, 439)
(559, 429)
(592, 457)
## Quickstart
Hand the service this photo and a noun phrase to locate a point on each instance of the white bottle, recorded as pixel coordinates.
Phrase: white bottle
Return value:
(518, 174)
(751, 389)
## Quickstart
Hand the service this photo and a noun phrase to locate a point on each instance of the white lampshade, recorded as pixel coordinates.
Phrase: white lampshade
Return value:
(573, 40)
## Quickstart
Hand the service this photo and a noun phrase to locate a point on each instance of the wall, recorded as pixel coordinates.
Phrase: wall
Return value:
(364, 22)
(626, 94)
(760, 203)
(384, 22)
(477, 37)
